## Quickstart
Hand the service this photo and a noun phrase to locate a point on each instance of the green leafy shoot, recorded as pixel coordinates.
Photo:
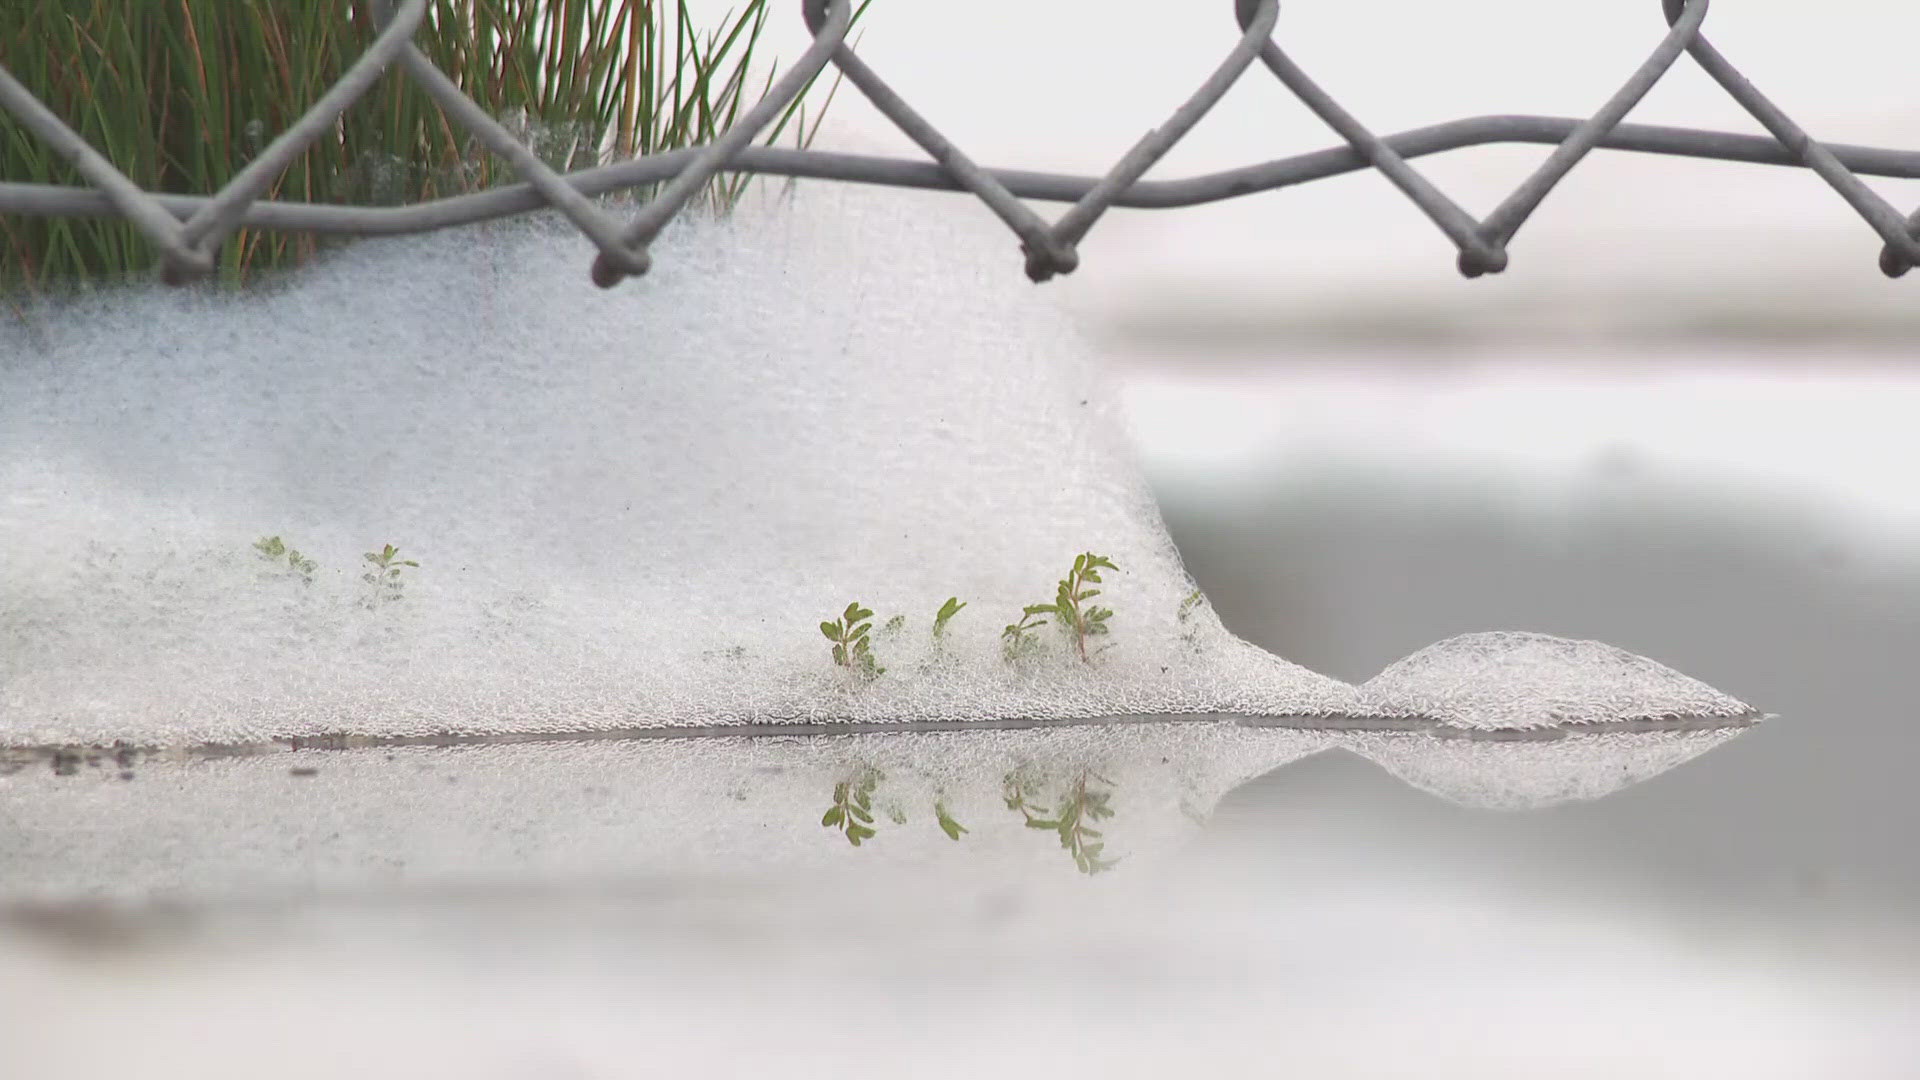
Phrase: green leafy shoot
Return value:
(1019, 640)
(952, 828)
(852, 809)
(383, 579)
(851, 649)
(272, 549)
(1191, 635)
(945, 615)
(1188, 606)
(1071, 608)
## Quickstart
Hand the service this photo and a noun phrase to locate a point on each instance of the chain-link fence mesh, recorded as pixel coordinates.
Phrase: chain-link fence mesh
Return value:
(187, 230)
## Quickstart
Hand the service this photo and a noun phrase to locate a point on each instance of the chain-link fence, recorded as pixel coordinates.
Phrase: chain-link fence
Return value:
(187, 230)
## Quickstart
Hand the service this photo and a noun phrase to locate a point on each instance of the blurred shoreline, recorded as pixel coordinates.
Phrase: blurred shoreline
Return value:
(1767, 324)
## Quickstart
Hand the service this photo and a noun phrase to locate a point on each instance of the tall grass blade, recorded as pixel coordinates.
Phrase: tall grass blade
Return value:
(180, 94)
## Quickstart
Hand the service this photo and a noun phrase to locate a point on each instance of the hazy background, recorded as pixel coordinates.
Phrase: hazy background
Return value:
(1068, 86)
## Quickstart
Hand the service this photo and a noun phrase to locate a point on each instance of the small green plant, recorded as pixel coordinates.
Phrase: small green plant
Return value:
(383, 581)
(945, 615)
(1072, 613)
(849, 636)
(1188, 605)
(852, 809)
(274, 550)
(1082, 622)
(1019, 640)
(1190, 635)
(952, 828)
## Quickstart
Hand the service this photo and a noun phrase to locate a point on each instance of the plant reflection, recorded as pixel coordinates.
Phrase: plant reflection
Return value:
(1078, 805)
(1087, 798)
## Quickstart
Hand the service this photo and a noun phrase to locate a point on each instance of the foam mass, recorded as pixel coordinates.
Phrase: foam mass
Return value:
(628, 507)
(1520, 680)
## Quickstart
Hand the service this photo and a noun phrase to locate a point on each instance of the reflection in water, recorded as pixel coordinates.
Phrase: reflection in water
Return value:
(551, 813)
(852, 809)
(1526, 775)
(1087, 799)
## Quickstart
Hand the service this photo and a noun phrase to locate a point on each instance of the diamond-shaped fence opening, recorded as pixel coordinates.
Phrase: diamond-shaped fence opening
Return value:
(188, 229)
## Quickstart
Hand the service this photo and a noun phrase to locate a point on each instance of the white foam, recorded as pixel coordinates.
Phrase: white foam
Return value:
(629, 507)
(1520, 680)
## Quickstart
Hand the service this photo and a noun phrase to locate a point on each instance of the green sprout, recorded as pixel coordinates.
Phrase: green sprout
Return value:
(1191, 635)
(852, 809)
(952, 828)
(946, 613)
(1190, 604)
(1072, 613)
(272, 549)
(384, 579)
(849, 636)
(1018, 640)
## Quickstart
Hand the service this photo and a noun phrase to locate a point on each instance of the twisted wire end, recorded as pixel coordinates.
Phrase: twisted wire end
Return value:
(608, 272)
(186, 267)
(1044, 263)
(1473, 264)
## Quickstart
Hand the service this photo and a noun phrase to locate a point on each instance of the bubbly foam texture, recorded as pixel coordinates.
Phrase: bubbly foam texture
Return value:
(1517, 680)
(629, 507)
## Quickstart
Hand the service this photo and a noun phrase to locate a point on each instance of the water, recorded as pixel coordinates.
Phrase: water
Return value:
(586, 909)
(153, 826)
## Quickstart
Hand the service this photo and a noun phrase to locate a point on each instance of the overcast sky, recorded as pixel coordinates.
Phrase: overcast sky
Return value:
(1069, 84)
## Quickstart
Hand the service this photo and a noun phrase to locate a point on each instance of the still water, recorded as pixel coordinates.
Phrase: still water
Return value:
(1198, 897)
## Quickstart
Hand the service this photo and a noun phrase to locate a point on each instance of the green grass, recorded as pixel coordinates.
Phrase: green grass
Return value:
(180, 94)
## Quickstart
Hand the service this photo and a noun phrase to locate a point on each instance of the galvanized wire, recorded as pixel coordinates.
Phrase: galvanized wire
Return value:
(187, 230)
